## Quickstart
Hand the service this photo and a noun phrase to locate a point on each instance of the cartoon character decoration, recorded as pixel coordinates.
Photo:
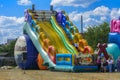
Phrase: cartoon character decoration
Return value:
(83, 59)
(28, 18)
(46, 43)
(115, 26)
(52, 53)
(87, 49)
(83, 46)
(40, 62)
(62, 21)
(59, 17)
(72, 33)
(102, 49)
(49, 49)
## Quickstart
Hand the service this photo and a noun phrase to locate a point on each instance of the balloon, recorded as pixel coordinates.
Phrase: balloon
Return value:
(64, 19)
(63, 25)
(114, 50)
(59, 17)
(32, 23)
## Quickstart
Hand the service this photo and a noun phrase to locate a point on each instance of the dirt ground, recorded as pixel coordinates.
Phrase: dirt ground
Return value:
(18, 74)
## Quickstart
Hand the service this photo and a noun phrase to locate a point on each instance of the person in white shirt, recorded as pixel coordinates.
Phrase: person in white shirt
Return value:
(110, 62)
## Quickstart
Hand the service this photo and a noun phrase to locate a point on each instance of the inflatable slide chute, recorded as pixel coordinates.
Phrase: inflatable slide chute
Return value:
(113, 47)
(36, 43)
(60, 32)
(45, 39)
(54, 39)
(47, 61)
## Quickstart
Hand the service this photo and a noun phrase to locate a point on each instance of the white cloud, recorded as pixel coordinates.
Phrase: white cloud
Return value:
(75, 3)
(93, 17)
(24, 2)
(102, 10)
(10, 27)
(74, 16)
(96, 16)
(103, 18)
(115, 13)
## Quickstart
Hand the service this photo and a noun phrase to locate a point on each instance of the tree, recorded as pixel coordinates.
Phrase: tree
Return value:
(11, 48)
(97, 34)
(8, 48)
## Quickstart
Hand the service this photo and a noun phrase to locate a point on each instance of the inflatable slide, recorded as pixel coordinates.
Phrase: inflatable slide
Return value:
(55, 43)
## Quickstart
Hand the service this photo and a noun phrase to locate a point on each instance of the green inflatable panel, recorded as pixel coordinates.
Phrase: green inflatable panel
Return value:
(114, 50)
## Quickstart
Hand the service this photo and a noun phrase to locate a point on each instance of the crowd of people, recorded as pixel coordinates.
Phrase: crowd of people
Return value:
(109, 64)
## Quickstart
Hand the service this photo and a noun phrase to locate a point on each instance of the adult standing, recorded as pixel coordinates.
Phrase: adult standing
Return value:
(110, 62)
(118, 64)
(103, 64)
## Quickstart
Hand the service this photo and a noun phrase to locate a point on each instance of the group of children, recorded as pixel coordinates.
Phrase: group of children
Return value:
(103, 64)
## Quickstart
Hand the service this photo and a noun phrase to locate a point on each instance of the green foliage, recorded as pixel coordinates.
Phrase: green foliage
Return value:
(3, 48)
(97, 34)
(9, 48)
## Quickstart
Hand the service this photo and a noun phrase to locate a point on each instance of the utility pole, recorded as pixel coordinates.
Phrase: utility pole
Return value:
(33, 7)
(81, 24)
(51, 7)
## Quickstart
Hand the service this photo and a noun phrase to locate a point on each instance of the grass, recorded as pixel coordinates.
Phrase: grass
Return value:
(17, 74)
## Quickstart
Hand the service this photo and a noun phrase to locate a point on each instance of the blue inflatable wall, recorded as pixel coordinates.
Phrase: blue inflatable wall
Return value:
(113, 47)
(85, 68)
(30, 61)
(114, 38)
(64, 59)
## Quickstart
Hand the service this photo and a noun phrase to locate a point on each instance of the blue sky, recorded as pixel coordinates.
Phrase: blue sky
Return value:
(94, 13)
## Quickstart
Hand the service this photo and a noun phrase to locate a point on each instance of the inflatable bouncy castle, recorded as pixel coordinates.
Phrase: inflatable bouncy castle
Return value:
(113, 46)
(51, 41)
